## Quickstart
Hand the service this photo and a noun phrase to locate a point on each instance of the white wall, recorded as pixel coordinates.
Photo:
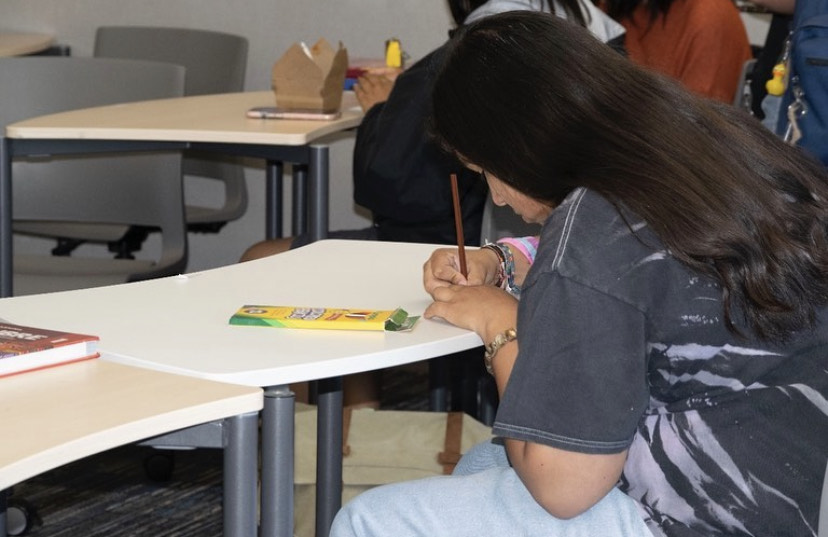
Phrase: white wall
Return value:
(271, 26)
(757, 25)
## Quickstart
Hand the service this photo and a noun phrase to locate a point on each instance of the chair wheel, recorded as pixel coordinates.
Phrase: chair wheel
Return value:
(21, 517)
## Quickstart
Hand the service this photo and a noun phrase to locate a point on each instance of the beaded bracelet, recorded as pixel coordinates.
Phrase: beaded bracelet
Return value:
(528, 246)
(491, 349)
(506, 273)
(501, 270)
(509, 267)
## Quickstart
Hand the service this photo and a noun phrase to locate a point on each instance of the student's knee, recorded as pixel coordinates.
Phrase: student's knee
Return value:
(482, 456)
(265, 249)
(352, 518)
(341, 526)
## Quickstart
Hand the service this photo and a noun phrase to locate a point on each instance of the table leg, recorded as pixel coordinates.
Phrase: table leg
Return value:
(328, 454)
(273, 199)
(300, 199)
(240, 475)
(3, 505)
(5, 219)
(318, 192)
(277, 462)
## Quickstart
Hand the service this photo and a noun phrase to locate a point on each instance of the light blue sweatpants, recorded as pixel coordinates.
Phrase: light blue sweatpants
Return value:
(484, 496)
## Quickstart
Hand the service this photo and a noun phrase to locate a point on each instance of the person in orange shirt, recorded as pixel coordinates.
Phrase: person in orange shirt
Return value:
(702, 43)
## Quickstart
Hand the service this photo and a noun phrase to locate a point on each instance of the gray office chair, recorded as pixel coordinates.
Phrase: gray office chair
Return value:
(742, 98)
(117, 191)
(216, 63)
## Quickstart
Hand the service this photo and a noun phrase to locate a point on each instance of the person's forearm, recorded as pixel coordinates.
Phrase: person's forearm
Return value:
(523, 252)
(777, 6)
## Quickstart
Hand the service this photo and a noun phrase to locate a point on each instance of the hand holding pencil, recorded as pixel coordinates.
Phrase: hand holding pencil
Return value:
(447, 266)
(457, 289)
(443, 268)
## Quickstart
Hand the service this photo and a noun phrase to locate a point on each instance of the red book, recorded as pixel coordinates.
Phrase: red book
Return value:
(25, 348)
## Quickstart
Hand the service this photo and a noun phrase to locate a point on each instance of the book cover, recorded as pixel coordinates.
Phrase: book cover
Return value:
(396, 320)
(26, 348)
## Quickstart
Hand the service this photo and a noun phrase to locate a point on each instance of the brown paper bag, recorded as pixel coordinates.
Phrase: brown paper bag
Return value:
(380, 447)
(310, 78)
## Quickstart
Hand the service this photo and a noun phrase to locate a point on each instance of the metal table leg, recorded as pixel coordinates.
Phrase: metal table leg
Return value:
(318, 192)
(3, 505)
(299, 223)
(273, 199)
(5, 220)
(241, 468)
(277, 462)
(328, 454)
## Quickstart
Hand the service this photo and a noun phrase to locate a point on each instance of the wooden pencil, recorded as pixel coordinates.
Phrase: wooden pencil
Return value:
(458, 225)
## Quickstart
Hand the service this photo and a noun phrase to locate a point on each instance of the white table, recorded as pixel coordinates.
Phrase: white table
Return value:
(180, 324)
(62, 414)
(215, 123)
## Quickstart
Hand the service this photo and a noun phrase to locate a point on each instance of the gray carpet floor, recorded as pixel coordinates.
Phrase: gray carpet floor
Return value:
(111, 494)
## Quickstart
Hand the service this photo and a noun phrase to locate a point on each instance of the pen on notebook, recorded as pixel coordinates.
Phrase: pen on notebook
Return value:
(458, 224)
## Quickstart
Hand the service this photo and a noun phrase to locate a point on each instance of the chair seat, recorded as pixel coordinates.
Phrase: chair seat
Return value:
(72, 230)
(201, 214)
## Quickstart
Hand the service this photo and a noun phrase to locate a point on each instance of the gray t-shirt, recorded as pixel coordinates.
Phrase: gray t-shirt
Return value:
(622, 346)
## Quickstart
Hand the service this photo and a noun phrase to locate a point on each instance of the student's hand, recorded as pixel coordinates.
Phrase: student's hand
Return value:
(443, 268)
(371, 89)
(484, 309)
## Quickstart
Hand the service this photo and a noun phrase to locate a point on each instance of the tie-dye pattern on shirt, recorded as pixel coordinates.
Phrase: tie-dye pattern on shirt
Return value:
(732, 433)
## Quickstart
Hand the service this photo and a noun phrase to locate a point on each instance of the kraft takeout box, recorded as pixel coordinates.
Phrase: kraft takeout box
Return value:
(310, 78)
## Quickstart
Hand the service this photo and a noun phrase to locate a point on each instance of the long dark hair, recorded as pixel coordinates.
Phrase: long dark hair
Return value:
(546, 107)
(460, 9)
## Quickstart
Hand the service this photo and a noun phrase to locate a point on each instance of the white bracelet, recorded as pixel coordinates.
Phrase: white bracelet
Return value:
(492, 348)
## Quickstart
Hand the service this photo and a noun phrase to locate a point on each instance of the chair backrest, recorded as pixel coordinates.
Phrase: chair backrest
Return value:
(39, 85)
(130, 189)
(499, 222)
(216, 62)
(742, 97)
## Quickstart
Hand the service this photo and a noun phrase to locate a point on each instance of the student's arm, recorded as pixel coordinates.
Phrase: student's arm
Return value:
(564, 483)
(372, 89)
(398, 171)
(785, 7)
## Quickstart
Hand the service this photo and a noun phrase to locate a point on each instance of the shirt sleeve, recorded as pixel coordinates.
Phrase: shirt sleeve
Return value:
(716, 52)
(579, 382)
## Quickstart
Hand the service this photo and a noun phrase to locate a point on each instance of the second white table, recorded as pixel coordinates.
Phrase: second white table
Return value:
(180, 324)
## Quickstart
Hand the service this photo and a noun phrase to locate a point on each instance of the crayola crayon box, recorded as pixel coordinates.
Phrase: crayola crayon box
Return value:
(396, 320)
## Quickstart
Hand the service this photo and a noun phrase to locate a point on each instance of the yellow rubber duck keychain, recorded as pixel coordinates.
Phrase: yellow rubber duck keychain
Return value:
(776, 85)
